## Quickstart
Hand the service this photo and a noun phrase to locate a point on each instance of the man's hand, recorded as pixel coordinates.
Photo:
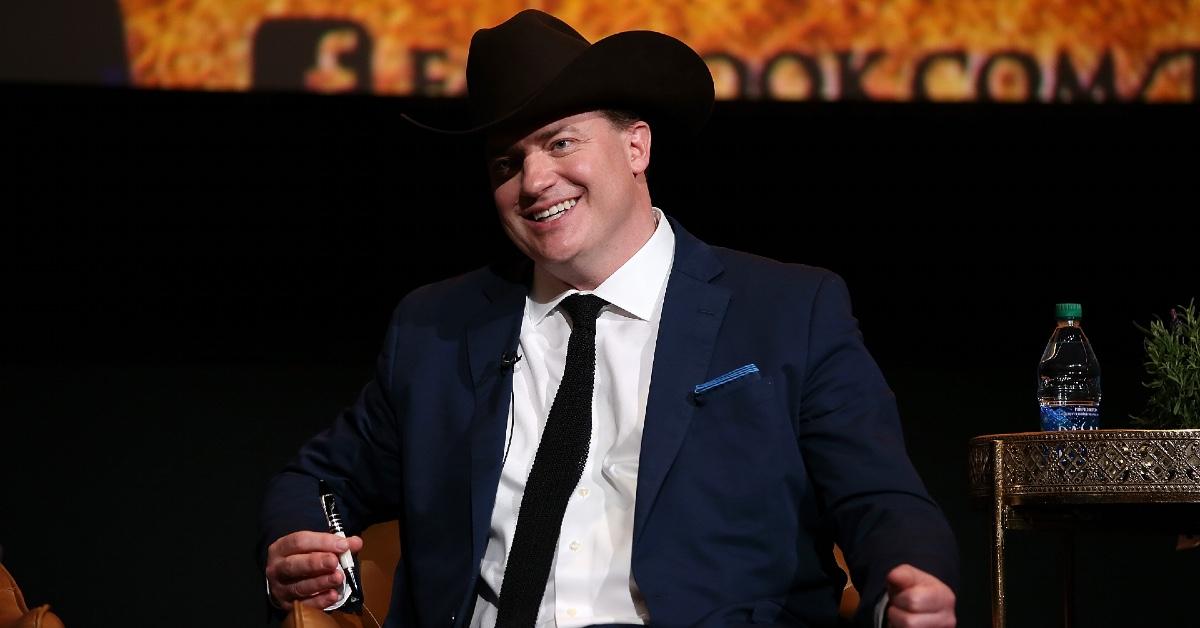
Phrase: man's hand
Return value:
(303, 566)
(918, 600)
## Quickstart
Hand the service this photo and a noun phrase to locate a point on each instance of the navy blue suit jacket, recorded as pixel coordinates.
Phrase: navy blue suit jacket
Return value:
(740, 491)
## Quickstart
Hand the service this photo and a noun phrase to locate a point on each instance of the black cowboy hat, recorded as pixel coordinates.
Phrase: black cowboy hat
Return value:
(534, 67)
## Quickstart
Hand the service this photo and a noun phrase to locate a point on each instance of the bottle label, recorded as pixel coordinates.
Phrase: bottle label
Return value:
(1056, 418)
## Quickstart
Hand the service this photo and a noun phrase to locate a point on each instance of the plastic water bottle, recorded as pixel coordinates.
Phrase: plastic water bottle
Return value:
(1069, 375)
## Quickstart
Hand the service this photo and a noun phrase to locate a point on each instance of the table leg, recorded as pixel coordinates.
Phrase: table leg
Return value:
(999, 512)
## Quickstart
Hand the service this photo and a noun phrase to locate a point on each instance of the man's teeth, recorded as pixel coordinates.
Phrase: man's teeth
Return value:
(554, 211)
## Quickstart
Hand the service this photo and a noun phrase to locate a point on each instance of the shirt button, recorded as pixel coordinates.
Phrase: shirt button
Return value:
(574, 546)
(571, 612)
(583, 492)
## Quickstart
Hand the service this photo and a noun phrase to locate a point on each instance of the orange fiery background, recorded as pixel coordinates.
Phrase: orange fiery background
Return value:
(207, 44)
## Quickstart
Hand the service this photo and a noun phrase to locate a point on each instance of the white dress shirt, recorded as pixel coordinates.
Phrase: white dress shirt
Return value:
(590, 580)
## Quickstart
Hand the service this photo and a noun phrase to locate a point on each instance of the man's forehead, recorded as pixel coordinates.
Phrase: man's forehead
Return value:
(506, 136)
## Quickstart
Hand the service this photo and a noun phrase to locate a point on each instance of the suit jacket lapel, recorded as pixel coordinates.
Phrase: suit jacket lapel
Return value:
(692, 313)
(495, 331)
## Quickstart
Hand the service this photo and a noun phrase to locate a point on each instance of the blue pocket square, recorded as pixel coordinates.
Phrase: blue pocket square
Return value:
(736, 373)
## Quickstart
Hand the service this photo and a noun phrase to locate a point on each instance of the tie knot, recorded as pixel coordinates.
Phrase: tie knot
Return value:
(583, 308)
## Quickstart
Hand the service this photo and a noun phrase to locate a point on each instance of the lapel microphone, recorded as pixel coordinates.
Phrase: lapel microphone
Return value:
(508, 359)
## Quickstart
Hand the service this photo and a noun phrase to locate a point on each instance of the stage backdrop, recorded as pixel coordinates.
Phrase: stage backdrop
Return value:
(945, 50)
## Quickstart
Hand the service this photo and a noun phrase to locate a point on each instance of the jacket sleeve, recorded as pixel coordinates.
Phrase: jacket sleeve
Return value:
(357, 456)
(850, 436)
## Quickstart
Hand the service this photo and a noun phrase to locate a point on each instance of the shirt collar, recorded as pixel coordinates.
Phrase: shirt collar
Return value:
(635, 287)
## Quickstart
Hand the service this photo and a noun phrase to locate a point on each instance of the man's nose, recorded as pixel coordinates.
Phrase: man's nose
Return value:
(537, 175)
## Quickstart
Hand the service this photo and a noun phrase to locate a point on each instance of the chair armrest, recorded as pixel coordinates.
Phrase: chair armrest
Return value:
(302, 616)
(40, 617)
(14, 613)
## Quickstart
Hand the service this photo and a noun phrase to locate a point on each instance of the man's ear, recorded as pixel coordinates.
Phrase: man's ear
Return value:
(639, 146)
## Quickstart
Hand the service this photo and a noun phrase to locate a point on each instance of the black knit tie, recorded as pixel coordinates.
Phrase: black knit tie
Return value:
(557, 467)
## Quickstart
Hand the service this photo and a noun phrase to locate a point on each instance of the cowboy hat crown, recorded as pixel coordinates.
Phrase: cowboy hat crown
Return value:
(534, 67)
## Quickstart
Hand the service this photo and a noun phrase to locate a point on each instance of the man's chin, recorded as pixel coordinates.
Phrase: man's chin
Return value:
(553, 263)
(549, 252)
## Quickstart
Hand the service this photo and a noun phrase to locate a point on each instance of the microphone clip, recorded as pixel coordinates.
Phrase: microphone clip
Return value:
(509, 359)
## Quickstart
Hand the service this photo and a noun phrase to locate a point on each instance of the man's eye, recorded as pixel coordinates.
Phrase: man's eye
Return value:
(563, 144)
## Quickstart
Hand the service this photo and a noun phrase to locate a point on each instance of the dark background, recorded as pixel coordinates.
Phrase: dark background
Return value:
(195, 283)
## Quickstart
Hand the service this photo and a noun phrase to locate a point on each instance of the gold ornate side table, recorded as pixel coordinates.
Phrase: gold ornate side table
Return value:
(1118, 480)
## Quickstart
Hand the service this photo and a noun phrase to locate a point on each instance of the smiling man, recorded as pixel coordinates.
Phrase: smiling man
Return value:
(572, 195)
(629, 427)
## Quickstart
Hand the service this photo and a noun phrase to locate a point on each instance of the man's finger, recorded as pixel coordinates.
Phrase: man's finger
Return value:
(903, 577)
(925, 598)
(305, 542)
(302, 566)
(307, 588)
(313, 586)
(914, 590)
(900, 618)
(324, 600)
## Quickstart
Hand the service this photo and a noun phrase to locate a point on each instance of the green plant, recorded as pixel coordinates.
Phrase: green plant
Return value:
(1173, 369)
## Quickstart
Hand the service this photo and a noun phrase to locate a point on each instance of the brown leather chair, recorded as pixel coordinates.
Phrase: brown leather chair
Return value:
(14, 613)
(377, 561)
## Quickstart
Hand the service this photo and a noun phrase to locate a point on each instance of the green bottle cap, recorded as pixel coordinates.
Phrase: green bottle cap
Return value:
(1068, 310)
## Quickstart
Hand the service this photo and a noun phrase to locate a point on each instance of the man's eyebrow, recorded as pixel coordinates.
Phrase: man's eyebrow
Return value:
(500, 151)
(552, 131)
